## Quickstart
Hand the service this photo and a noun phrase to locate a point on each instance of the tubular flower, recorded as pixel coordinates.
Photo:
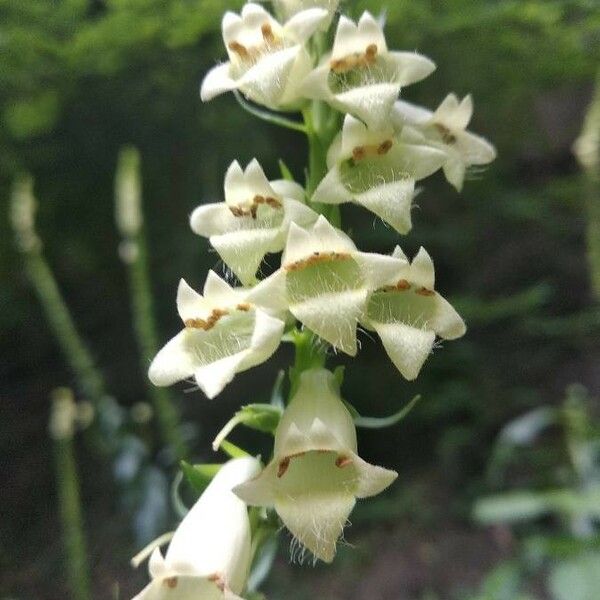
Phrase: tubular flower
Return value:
(446, 129)
(209, 555)
(224, 334)
(267, 60)
(253, 220)
(362, 77)
(288, 8)
(377, 169)
(408, 314)
(325, 282)
(316, 474)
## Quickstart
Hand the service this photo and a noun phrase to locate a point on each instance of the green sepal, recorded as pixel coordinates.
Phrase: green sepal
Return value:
(285, 171)
(199, 476)
(233, 451)
(383, 422)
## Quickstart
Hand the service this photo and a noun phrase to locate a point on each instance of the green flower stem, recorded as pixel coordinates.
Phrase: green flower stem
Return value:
(134, 254)
(310, 354)
(55, 308)
(61, 429)
(587, 149)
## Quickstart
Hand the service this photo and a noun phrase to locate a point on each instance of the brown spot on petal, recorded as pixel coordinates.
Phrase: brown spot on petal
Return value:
(217, 579)
(361, 152)
(425, 292)
(385, 147)
(446, 134)
(358, 60)
(171, 582)
(240, 50)
(209, 323)
(244, 307)
(401, 286)
(283, 467)
(343, 461)
(316, 258)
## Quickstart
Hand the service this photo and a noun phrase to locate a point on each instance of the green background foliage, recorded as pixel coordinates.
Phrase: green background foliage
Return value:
(81, 78)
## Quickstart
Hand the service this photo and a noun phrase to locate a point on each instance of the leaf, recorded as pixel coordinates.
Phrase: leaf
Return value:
(285, 171)
(199, 476)
(261, 417)
(383, 422)
(232, 450)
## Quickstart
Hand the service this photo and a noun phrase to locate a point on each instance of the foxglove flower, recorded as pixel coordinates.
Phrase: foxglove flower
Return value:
(362, 77)
(267, 60)
(316, 474)
(253, 220)
(408, 314)
(224, 334)
(209, 555)
(446, 129)
(324, 281)
(377, 169)
(288, 8)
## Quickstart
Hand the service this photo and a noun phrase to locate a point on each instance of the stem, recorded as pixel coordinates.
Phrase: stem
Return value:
(128, 202)
(267, 115)
(69, 499)
(310, 354)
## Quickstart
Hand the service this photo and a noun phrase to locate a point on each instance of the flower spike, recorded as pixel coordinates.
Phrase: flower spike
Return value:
(224, 334)
(361, 76)
(267, 60)
(408, 315)
(253, 220)
(316, 474)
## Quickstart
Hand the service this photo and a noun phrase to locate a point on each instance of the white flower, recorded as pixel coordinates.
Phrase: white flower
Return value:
(209, 555)
(253, 220)
(288, 8)
(362, 77)
(408, 314)
(316, 474)
(325, 281)
(377, 169)
(267, 61)
(224, 334)
(446, 129)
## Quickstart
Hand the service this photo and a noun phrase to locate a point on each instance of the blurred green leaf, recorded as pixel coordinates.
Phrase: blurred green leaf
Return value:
(199, 476)
(577, 579)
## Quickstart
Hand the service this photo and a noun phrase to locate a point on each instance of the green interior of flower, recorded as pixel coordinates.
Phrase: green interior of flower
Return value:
(232, 334)
(382, 71)
(316, 473)
(328, 276)
(401, 306)
(359, 176)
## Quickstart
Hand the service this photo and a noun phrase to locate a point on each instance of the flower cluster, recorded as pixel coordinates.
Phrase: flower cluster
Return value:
(325, 287)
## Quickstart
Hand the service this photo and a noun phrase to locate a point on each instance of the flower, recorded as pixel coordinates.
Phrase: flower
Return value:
(377, 169)
(362, 77)
(253, 220)
(209, 555)
(446, 129)
(324, 281)
(408, 314)
(288, 8)
(316, 474)
(224, 334)
(267, 61)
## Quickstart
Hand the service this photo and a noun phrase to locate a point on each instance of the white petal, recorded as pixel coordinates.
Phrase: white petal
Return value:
(288, 189)
(411, 67)
(453, 114)
(243, 251)
(231, 26)
(446, 322)
(378, 269)
(212, 219)
(345, 35)
(399, 253)
(173, 363)
(333, 317)
(422, 272)
(259, 491)
(332, 190)
(256, 180)
(372, 480)
(213, 377)
(217, 81)
(316, 85)
(420, 161)
(190, 304)
(236, 191)
(265, 340)
(218, 291)
(270, 294)
(392, 202)
(298, 213)
(407, 346)
(303, 24)
(370, 32)
(454, 170)
(405, 112)
(474, 149)
(371, 103)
